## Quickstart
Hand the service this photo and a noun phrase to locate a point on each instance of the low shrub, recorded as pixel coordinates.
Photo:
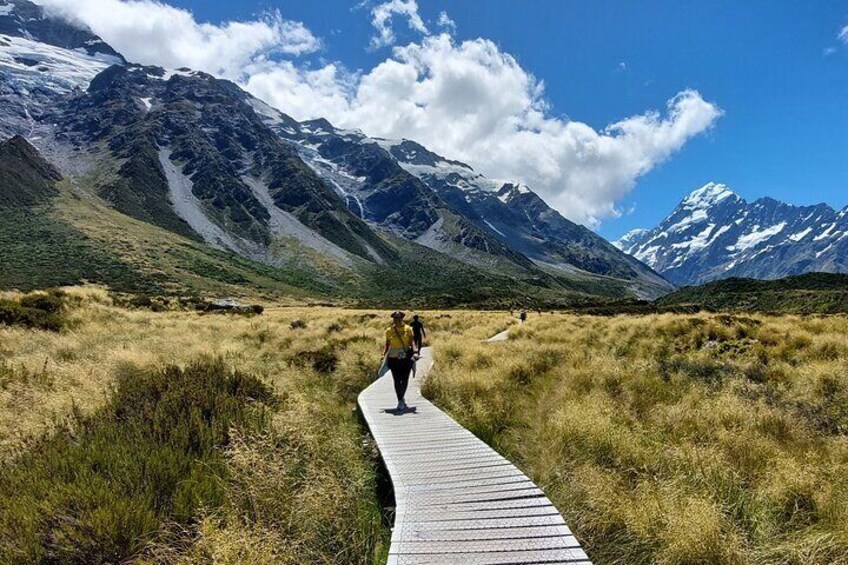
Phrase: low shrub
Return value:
(38, 310)
(322, 360)
(101, 489)
(298, 325)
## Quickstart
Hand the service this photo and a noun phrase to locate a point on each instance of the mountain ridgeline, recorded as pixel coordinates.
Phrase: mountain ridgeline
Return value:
(811, 293)
(714, 234)
(194, 161)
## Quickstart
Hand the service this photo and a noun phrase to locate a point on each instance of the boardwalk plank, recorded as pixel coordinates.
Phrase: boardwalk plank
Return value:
(458, 501)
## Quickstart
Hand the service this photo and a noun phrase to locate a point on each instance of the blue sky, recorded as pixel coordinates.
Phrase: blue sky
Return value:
(777, 70)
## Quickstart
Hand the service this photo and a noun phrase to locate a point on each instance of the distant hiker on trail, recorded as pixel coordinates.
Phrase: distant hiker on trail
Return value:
(522, 315)
(418, 331)
(400, 355)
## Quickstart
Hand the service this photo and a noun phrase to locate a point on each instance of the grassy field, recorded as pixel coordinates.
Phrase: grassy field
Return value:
(668, 438)
(232, 439)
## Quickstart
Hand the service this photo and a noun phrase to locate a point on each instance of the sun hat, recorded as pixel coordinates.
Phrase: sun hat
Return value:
(398, 314)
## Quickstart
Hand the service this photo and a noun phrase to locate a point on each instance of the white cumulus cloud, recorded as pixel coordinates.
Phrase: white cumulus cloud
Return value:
(381, 19)
(473, 102)
(467, 100)
(150, 32)
(446, 22)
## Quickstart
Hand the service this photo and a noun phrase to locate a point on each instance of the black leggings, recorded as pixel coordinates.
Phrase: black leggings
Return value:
(400, 369)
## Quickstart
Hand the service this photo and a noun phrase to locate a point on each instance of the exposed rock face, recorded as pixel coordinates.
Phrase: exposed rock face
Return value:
(26, 179)
(715, 234)
(495, 217)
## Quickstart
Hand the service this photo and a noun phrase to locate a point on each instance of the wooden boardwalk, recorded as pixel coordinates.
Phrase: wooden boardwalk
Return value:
(457, 501)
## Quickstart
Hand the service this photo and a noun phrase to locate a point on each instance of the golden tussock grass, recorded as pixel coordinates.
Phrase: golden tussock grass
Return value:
(300, 491)
(662, 439)
(668, 438)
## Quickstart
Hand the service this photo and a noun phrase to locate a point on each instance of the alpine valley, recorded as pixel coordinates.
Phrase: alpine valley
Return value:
(171, 180)
(714, 234)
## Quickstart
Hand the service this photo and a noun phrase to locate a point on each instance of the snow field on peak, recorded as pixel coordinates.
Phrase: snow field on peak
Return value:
(708, 195)
(756, 237)
(31, 65)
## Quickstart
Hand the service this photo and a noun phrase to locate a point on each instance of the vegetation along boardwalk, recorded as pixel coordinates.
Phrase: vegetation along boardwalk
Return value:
(457, 500)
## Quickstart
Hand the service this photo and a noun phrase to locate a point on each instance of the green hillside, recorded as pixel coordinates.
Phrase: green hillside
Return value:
(823, 293)
(56, 232)
(77, 238)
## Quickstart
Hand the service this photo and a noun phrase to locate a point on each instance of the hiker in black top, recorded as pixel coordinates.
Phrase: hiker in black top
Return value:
(418, 331)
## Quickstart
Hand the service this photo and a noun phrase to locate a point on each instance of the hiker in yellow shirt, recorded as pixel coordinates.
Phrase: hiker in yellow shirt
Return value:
(400, 355)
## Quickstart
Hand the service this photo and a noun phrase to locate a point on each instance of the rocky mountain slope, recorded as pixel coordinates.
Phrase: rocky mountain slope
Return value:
(200, 158)
(26, 178)
(715, 234)
(483, 216)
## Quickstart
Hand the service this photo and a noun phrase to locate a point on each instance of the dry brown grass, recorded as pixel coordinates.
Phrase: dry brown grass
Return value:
(662, 439)
(667, 438)
(303, 491)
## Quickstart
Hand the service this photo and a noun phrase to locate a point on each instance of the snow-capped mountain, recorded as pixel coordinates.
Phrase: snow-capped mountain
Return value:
(199, 157)
(714, 234)
(42, 60)
(496, 216)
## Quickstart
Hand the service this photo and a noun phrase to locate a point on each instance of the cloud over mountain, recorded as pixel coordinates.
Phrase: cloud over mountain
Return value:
(151, 32)
(466, 99)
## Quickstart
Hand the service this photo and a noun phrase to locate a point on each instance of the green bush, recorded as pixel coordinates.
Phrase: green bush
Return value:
(100, 490)
(39, 310)
(323, 360)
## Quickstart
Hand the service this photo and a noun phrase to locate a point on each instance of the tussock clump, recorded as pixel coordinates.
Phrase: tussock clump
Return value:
(39, 310)
(668, 438)
(322, 360)
(99, 490)
(232, 503)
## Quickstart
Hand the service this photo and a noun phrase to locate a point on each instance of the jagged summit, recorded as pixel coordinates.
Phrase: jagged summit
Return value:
(708, 195)
(713, 233)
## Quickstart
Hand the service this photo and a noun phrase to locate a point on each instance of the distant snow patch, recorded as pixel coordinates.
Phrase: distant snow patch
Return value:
(266, 111)
(488, 223)
(696, 217)
(147, 104)
(800, 235)
(756, 237)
